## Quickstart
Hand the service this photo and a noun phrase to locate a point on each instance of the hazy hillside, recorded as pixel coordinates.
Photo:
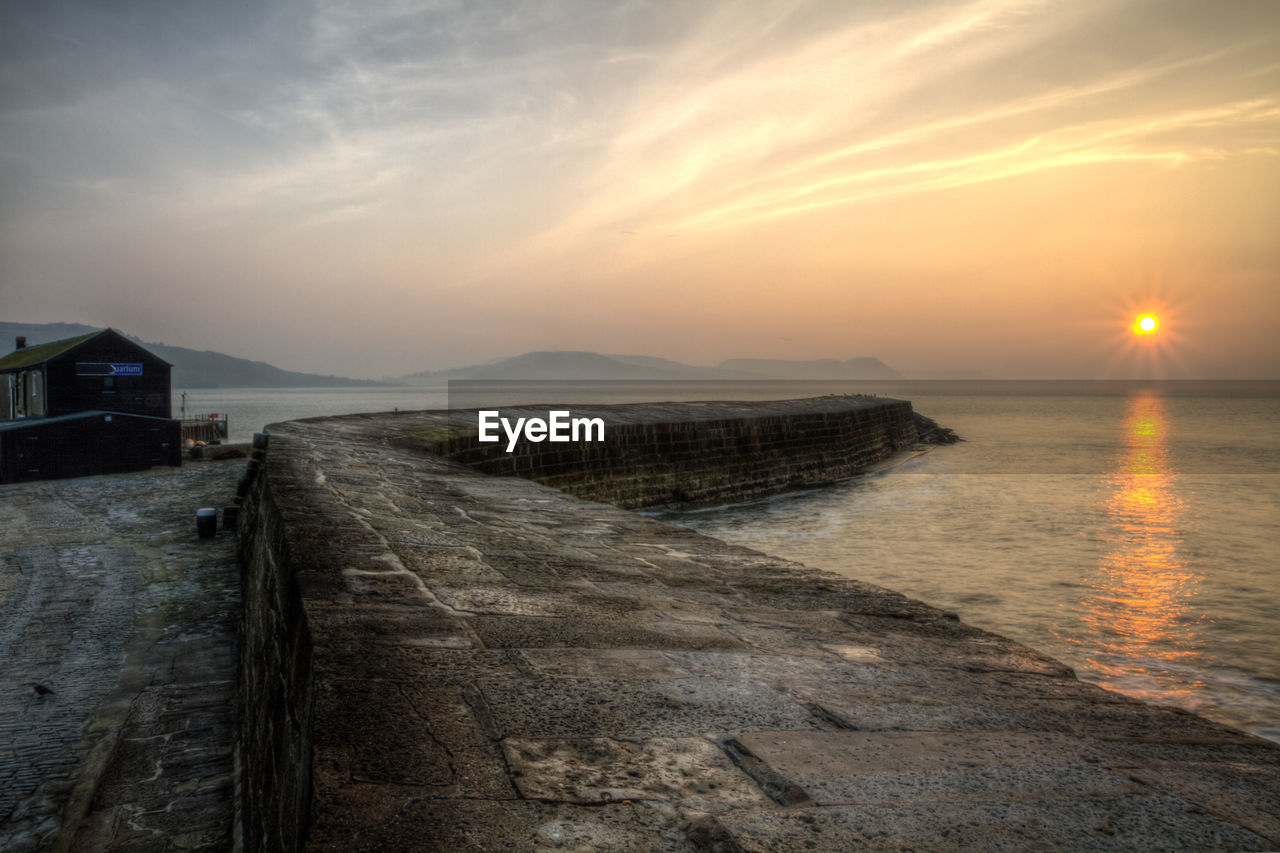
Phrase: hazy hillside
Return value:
(826, 368)
(205, 369)
(191, 368)
(591, 365)
(547, 365)
(684, 371)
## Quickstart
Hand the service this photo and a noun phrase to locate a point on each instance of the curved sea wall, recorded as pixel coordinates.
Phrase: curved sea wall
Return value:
(652, 454)
(434, 658)
(665, 453)
(275, 684)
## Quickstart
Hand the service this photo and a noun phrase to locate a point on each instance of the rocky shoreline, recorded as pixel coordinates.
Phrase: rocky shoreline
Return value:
(928, 431)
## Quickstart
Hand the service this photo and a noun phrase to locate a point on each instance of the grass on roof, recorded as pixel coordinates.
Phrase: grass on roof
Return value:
(42, 352)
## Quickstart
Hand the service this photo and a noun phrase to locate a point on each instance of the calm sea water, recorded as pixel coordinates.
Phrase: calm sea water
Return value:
(251, 409)
(1128, 529)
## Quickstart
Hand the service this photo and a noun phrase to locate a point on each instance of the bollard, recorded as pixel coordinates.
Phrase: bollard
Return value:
(230, 514)
(206, 522)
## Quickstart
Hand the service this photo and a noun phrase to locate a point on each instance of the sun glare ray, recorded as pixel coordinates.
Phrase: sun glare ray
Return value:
(1146, 337)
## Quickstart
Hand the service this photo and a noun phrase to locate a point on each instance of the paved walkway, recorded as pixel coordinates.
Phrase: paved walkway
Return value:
(126, 622)
(501, 666)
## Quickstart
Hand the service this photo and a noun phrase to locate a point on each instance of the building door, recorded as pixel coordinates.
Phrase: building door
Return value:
(37, 394)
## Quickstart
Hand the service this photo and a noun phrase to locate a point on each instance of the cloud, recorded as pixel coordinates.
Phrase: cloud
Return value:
(423, 149)
(850, 116)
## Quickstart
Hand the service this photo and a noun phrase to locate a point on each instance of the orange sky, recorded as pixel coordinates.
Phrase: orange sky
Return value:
(374, 189)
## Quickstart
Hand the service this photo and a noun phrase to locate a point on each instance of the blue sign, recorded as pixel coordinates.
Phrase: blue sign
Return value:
(134, 369)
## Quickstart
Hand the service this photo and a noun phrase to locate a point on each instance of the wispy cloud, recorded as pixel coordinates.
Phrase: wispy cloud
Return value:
(850, 117)
(1121, 140)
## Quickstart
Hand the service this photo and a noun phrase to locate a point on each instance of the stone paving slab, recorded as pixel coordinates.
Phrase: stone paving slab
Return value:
(499, 666)
(885, 768)
(110, 601)
(1137, 823)
(691, 772)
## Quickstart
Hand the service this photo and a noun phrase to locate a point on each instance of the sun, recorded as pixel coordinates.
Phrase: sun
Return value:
(1147, 329)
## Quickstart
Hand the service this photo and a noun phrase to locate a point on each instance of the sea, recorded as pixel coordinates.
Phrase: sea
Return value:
(1129, 529)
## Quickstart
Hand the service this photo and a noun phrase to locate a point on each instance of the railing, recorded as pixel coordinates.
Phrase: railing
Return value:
(204, 427)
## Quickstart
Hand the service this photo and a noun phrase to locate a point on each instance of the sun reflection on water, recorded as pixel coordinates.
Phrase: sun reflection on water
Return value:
(1139, 629)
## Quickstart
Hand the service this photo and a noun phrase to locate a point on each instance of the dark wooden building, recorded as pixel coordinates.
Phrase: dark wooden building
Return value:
(92, 404)
(86, 443)
(101, 370)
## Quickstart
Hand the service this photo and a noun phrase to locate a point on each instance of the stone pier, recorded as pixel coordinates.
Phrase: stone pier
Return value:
(439, 659)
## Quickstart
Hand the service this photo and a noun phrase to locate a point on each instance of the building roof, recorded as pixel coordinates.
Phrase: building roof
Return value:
(41, 353)
(29, 423)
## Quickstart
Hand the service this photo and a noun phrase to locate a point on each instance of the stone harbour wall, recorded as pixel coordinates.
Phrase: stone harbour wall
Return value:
(434, 658)
(275, 683)
(695, 453)
(656, 460)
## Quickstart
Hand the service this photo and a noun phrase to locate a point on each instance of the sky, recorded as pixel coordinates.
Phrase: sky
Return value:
(369, 189)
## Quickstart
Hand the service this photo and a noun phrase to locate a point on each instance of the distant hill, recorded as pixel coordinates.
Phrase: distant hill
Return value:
(566, 365)
(191, 368)
(570, 365)
(826, 368)
(955, 375)
(684, 371)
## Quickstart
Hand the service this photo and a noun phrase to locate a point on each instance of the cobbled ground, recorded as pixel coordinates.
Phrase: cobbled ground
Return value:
(117, 662)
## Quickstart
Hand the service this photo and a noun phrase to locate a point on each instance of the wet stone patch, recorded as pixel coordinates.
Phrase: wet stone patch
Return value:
(117, 661)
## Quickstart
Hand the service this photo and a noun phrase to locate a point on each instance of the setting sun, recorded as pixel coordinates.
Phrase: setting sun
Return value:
(1149, 336)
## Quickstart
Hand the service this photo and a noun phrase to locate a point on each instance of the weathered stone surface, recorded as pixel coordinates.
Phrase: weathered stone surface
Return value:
(416, 823)
(110, 601)
(1137, 823)
(887, 768)
(691, 452)
(484, 663)
(692, 772)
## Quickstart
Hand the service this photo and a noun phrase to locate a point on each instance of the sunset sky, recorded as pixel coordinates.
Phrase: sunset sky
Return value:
(370, 189)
